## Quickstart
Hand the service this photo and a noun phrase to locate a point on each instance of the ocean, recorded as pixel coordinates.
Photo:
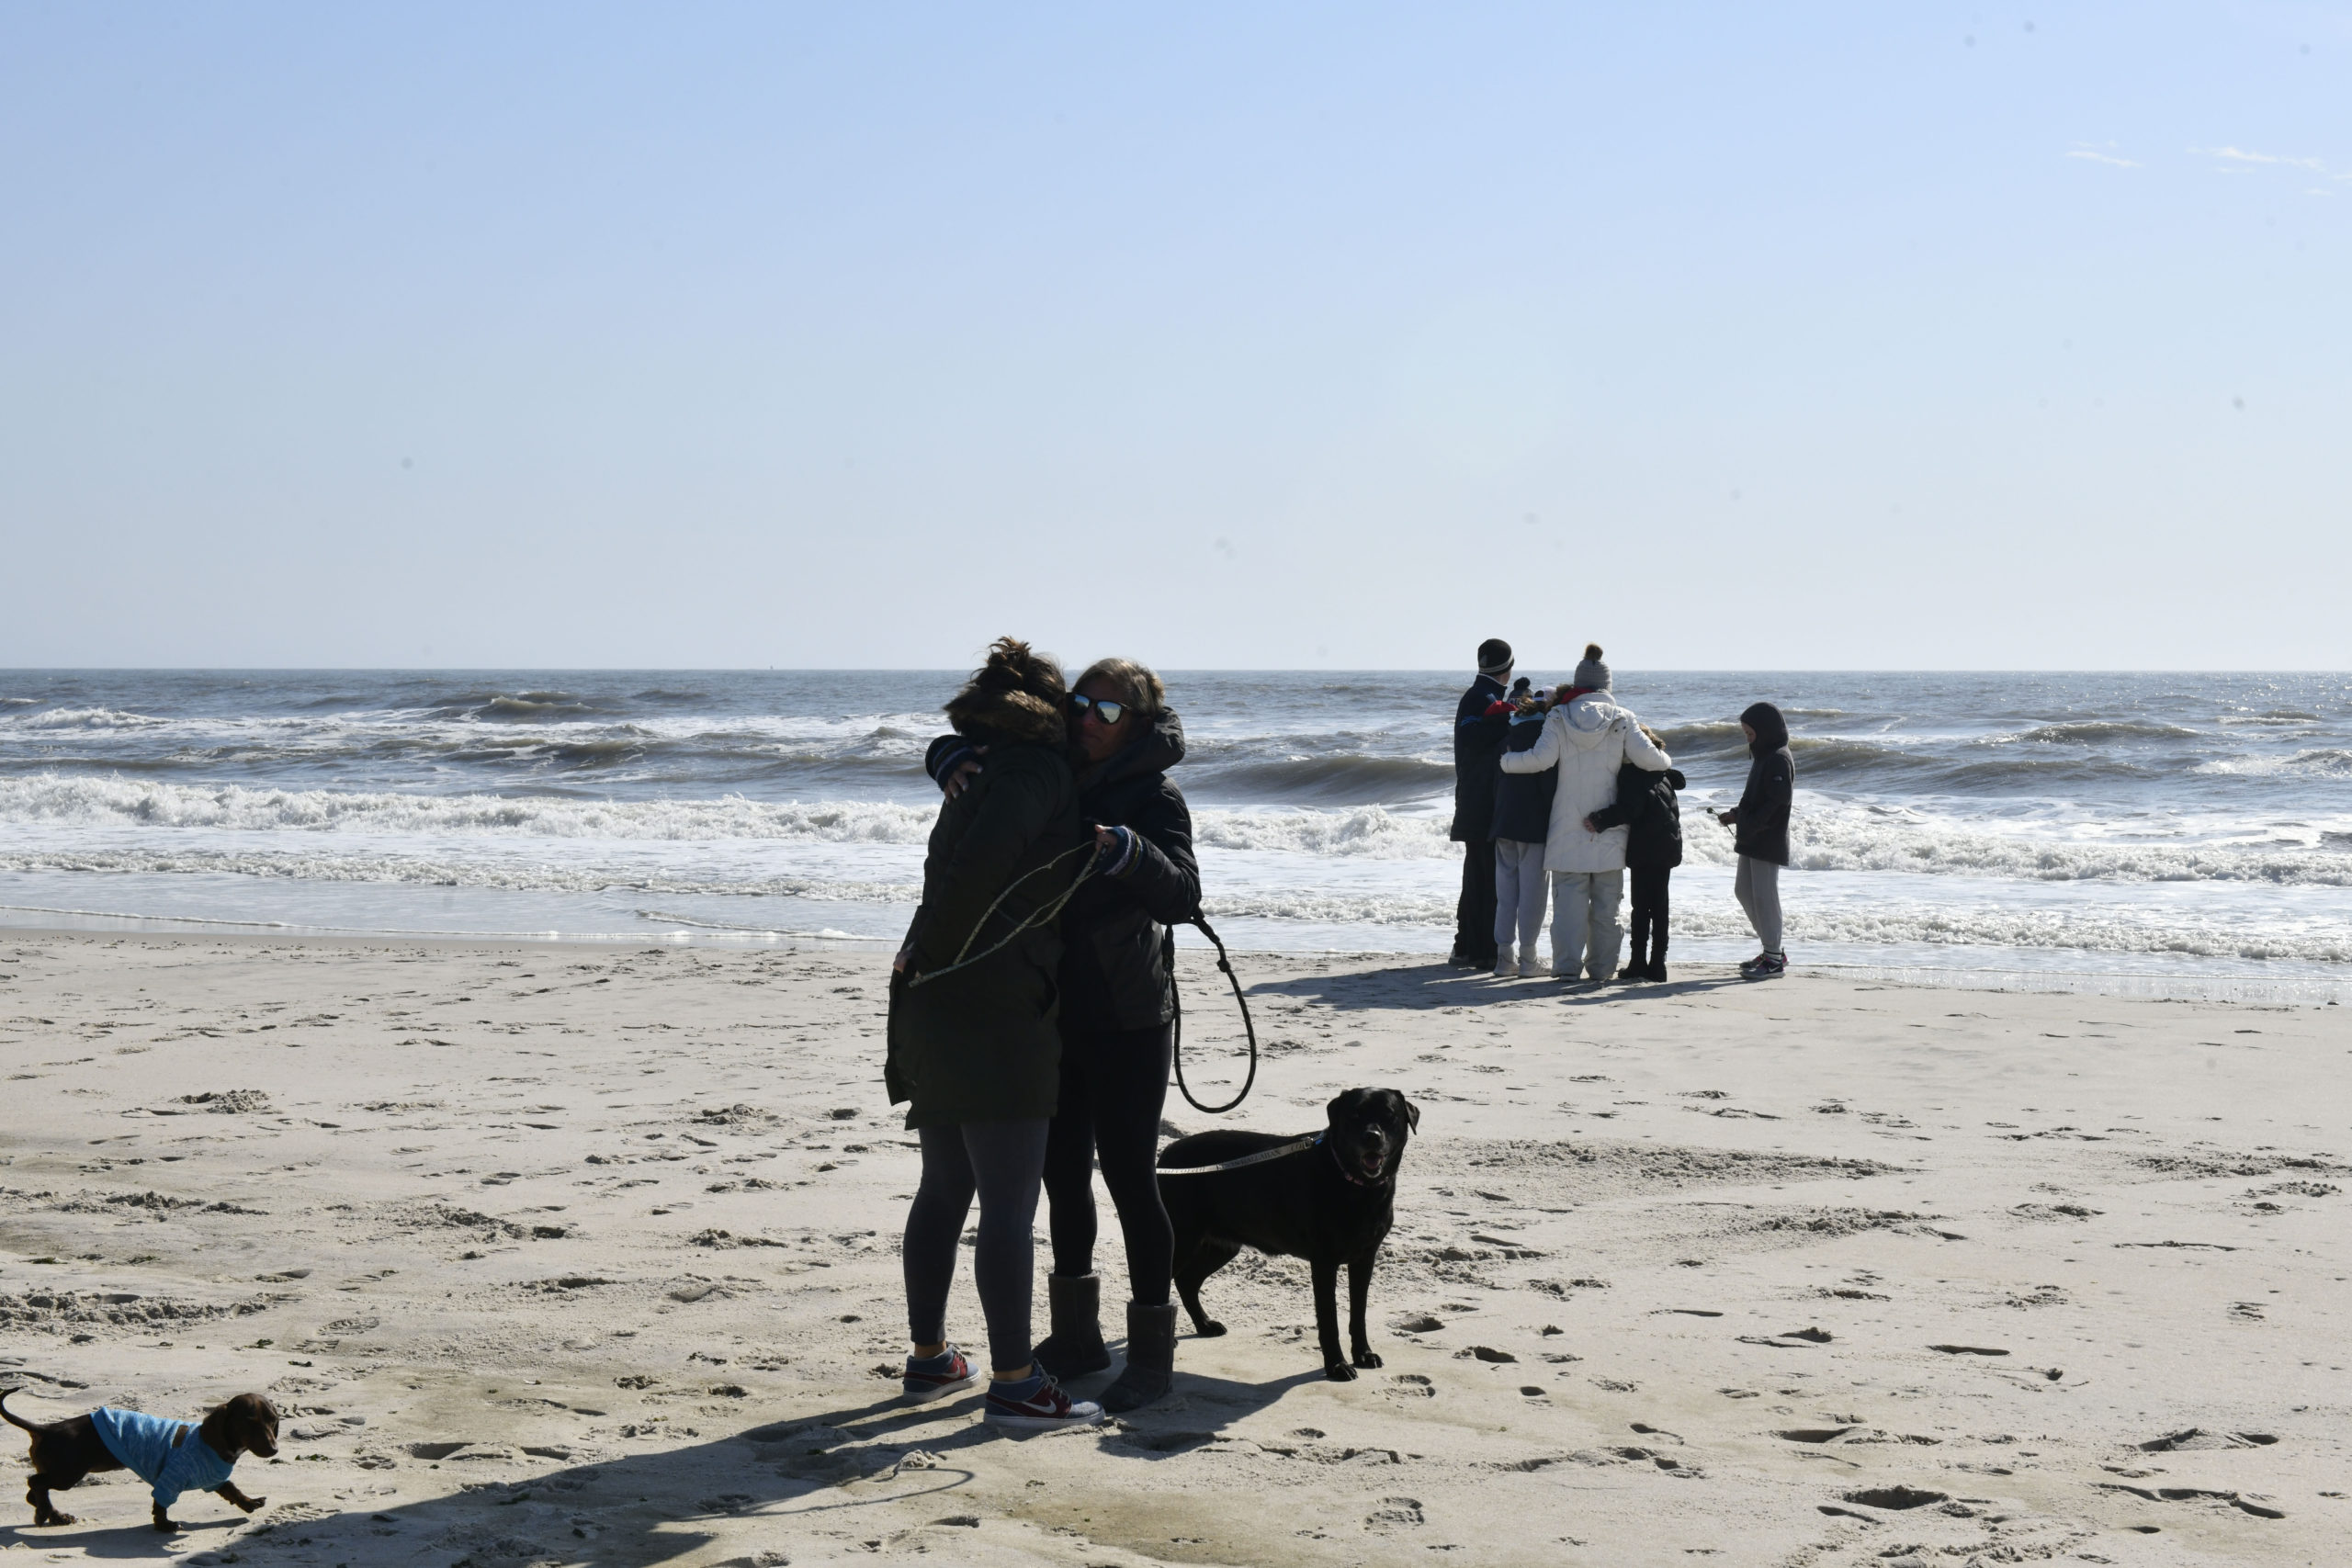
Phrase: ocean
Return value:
(2141, 833)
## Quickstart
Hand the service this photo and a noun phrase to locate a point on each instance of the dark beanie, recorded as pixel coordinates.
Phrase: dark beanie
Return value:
(1494, 655)
(1771, 729)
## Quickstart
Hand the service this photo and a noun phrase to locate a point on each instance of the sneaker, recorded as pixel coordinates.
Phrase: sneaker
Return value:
(1765, 966)
(937, 1376)
(1036, 1404)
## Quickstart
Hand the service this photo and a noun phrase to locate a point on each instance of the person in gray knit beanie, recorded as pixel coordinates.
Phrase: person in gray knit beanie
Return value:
(1592, 673)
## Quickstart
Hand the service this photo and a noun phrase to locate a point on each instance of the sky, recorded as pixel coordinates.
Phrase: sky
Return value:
(1265, 335)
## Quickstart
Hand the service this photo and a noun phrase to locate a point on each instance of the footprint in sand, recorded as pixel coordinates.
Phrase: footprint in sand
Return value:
(1409, 1385)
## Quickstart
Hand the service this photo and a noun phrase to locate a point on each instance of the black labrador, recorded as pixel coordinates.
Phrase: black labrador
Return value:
(1329, 1199)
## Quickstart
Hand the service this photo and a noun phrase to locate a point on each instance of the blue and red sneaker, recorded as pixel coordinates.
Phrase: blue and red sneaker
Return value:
(934, 1377)
(1036, 1404)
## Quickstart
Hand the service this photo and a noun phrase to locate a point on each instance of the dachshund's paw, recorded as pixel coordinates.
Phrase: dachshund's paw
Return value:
(252, 1504)
(59, 1520)
(1339, 1371)
(166, 1527)
(1211, 1329)
(1367, 1358)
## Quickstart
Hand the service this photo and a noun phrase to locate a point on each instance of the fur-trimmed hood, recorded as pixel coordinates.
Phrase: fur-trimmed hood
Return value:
(1016, 718)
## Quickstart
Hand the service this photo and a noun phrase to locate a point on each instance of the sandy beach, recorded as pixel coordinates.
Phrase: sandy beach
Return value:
(577, 1255)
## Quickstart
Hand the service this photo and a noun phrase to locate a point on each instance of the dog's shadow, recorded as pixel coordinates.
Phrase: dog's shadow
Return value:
(779, 1482)
(141, 1539)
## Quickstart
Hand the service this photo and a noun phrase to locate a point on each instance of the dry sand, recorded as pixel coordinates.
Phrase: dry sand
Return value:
(574, 1254)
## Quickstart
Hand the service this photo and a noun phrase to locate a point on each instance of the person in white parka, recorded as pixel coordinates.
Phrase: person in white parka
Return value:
(1587, 739)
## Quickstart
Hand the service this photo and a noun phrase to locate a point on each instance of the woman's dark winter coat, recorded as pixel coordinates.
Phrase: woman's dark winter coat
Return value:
(1115, 967)
(1523, 801)
(1646, 804)
(1760, 820)
(980, 1044)
(1478, 742)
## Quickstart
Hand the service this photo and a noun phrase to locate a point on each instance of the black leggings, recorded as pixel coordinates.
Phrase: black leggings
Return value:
(1113, 1085)
(1650, 904)
(1002, 1161)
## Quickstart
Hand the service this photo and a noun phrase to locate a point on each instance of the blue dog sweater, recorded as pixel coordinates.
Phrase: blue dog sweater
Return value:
(165, 1454)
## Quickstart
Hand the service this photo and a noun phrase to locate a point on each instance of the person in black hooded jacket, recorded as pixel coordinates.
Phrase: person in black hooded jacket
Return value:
(1646, 806)
(1118, 1006)
(1522, 821)
(972, 1041)
(1760, 825)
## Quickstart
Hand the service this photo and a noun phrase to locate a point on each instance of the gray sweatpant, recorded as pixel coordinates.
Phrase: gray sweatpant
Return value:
(1757, 885)
(1521, 887)
(1586, 932)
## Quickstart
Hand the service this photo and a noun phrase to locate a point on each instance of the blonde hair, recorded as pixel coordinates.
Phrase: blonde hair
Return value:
(1142, 689)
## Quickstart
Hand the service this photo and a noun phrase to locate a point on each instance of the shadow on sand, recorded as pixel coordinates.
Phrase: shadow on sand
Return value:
(1427, 987)
(780, 1482)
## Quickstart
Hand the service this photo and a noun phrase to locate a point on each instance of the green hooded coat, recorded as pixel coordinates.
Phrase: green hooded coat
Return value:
(980, 1044)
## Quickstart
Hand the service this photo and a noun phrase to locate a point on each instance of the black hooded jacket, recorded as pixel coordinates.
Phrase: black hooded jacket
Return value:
(1646, 804)
(1760, 820)
(976, 1041)
(1113, 974)
(1477, 745)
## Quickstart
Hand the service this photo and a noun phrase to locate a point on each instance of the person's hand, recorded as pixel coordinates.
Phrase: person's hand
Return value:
(898, 962)
(1105, 838)
(1588, 826)
(961, 779)
(1729, 818)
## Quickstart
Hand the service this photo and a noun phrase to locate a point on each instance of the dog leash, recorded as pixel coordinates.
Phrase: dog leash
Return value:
(1296, 1145)
(1176, 1043)
(1043, 914)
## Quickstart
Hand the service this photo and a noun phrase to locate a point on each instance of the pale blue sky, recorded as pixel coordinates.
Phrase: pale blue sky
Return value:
(1808, 336)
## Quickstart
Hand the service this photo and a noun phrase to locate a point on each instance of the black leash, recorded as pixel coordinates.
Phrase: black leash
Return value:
(1248, 1028)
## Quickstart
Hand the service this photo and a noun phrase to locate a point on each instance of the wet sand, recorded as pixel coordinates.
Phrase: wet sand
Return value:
(571, 1255)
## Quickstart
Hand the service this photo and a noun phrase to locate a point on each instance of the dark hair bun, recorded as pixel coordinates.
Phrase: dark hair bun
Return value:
(1014, 666)
(1592, 650)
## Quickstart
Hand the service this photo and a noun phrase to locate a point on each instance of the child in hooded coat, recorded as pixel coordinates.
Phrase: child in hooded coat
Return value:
(1521, 822)
(1653, 819)
(1760, 825)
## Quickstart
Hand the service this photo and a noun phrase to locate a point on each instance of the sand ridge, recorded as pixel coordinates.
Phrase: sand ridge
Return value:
(580, 1255)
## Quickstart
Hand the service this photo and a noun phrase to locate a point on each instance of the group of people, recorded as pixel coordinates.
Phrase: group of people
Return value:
(1560, 794)
(1032, 1002)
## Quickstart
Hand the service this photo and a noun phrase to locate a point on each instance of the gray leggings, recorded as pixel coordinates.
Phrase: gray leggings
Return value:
(1757, 885)
(1004, 1162)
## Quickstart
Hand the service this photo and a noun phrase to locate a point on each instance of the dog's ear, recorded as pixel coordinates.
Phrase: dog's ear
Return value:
(1347, 1100)
(1412, 1111)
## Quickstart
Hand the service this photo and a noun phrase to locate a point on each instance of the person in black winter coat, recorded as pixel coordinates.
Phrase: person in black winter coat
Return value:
(1647, 807)
(1118, 1007)
(1760, 825)
(1478, 732)
(972, 1042)
(1521, 822)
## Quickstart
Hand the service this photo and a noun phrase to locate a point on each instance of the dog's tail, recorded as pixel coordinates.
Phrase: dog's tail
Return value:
(13, 1419)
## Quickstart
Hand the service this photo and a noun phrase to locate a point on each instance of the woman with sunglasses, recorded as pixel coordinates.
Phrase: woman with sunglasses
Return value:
(1117, 1008)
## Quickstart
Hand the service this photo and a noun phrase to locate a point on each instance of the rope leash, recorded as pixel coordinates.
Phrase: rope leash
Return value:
(1043, 914)
(1176, 1050)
